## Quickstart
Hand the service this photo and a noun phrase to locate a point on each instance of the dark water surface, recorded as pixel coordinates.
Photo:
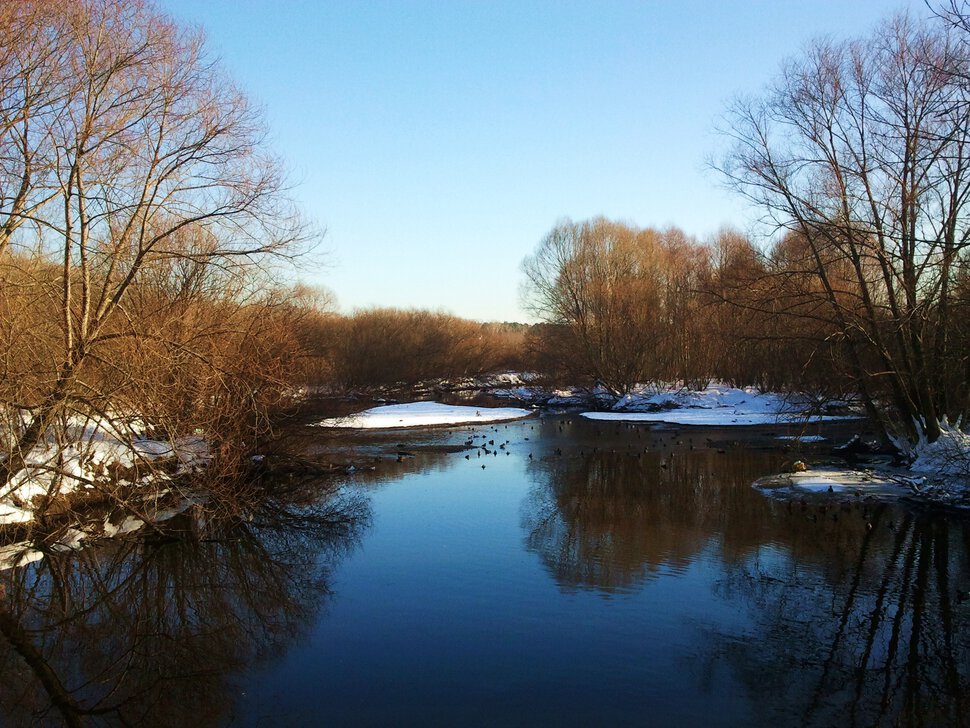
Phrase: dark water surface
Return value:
(618, 576)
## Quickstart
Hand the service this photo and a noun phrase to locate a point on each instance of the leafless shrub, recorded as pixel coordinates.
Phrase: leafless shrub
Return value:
(389, 347)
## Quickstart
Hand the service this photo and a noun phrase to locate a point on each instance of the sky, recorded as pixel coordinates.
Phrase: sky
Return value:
(437, 142)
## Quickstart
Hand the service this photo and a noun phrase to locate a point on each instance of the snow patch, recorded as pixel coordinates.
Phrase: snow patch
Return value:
(948, 455)
(99, 451)
(71, 540)
(817, 481)
(126, 526)
(18, 554)
(423, 414)
(717, 405)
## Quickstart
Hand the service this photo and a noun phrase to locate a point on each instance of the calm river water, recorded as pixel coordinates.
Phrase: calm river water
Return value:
(588, 574)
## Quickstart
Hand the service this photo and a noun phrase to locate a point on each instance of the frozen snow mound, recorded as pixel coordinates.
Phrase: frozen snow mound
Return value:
(948, 455)
(715, 406)
(837, 481)
(423, 414)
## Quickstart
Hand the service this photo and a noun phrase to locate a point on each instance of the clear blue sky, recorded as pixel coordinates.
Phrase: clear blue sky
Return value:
(439, 141)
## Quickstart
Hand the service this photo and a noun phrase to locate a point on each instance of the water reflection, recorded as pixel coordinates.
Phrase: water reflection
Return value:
(612, 521)
(725, 607)
(884, 642)
(153, 632)
(851, 611)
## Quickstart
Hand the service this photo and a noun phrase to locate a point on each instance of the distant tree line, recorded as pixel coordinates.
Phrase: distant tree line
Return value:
(624, 306)
(388, 348)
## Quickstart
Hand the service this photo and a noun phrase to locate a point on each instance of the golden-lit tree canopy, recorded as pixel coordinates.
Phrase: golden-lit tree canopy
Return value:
(138, 210)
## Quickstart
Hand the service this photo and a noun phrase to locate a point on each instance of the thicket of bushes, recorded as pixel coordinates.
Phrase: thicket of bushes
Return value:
(388, 347)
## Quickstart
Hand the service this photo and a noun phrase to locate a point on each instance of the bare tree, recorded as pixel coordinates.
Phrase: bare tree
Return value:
(127, 157)
(861, 148)
(35, 85)
(599, 283)
(621, 302)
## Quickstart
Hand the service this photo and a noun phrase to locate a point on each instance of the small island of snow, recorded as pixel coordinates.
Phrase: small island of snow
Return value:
(423, 414)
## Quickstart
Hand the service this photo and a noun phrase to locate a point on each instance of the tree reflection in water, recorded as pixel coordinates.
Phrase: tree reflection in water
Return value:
(153, 632)
(859, 612)
(610, 522)
(886, 643)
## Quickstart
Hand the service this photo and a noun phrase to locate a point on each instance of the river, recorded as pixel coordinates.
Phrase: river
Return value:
(588, 574)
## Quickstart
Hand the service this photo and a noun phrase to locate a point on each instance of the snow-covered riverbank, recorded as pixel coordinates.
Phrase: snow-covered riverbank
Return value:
(720, 405)
(103, 455)
(716, 405)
